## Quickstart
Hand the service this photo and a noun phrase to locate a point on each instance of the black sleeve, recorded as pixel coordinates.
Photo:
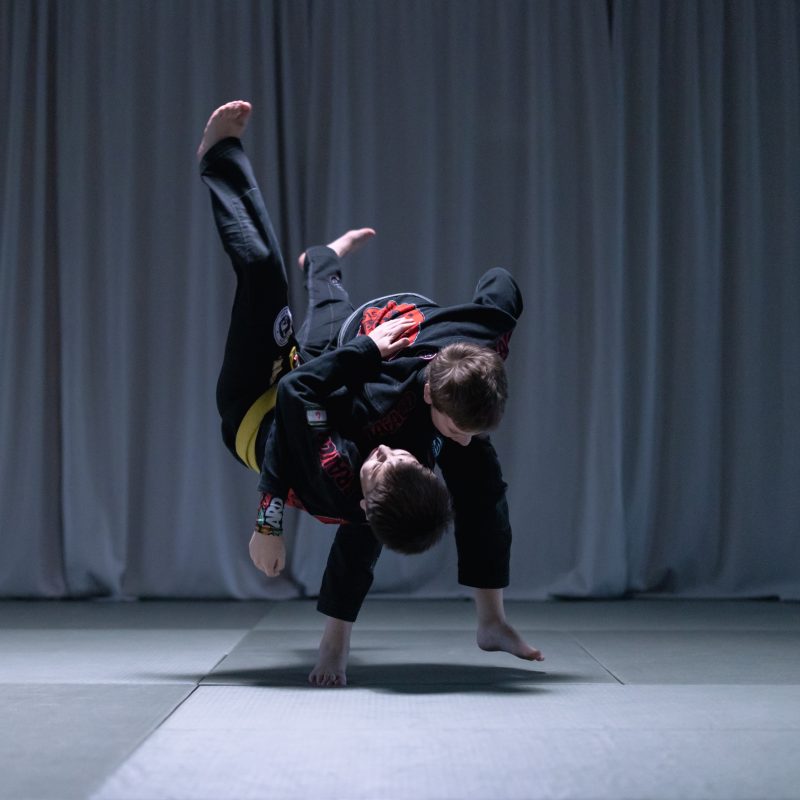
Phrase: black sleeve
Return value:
(497, 288)
(482, 527)
(311, 384)
(349, 572)
(300, 412)
(274, 478)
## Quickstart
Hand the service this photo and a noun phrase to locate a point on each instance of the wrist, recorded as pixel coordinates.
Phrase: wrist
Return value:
(269, 521)
(266, 530)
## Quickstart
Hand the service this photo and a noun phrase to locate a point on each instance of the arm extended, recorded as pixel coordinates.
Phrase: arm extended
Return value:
(293, 445)
(482, 527)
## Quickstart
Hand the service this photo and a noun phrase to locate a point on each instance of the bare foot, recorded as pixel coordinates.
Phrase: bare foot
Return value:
(499, 635)
(347, 243)
(334, 648)
(494, 633)
(227, 120)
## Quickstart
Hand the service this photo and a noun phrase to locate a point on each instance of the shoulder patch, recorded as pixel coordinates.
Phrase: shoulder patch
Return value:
(282, 327)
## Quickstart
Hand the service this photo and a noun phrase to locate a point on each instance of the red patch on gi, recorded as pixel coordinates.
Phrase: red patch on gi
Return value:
(373, 317)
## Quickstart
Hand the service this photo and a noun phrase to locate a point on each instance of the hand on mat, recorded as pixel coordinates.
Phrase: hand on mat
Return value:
(268, 553)
(390, 336)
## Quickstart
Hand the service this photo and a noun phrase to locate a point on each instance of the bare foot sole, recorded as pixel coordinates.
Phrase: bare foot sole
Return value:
(227, 120)
(500, 636)
(347, 243)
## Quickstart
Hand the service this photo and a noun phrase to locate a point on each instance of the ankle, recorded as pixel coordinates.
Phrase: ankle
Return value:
(489, 607)
(336, 635)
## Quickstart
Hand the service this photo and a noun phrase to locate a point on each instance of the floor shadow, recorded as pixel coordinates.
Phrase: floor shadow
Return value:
(411, 678)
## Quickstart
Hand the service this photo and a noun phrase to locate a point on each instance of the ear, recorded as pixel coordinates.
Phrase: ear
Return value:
(426, 393)
(363, 505)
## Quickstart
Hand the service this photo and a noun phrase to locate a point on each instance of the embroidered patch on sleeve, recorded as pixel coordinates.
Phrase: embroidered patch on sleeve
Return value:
(317, 417)
(282, 327)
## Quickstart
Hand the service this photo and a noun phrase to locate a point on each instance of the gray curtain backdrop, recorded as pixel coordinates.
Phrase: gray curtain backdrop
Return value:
(634, 164)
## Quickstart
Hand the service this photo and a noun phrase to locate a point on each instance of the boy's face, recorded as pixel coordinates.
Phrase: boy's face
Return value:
(445, 424)
(448, 428)
(381, 458)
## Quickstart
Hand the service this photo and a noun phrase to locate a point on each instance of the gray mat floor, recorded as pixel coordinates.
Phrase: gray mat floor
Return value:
(185, 700)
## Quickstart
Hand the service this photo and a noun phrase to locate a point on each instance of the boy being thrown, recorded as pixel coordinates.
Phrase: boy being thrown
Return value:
(344, 404)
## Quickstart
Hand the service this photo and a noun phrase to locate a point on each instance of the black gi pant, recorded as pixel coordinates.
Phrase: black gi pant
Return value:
(260, 342)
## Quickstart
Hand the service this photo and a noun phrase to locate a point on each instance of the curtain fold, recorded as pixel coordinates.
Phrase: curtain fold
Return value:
(710, 117)
(634, 165)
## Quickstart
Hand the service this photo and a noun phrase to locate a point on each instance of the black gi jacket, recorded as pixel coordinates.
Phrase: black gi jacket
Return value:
(332, 411)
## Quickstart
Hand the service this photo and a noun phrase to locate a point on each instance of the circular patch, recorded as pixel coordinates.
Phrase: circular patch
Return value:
(282, 329)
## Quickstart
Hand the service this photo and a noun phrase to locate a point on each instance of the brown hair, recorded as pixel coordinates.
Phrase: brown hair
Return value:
(409, 508)
(468, 383)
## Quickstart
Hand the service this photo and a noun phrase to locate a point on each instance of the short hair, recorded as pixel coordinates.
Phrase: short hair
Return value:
(468, 383)
(409, 508)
